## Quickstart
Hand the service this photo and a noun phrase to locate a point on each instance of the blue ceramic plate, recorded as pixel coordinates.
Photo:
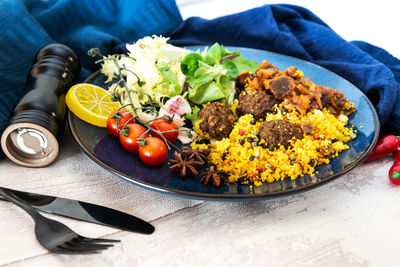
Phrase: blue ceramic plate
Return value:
(108, 153)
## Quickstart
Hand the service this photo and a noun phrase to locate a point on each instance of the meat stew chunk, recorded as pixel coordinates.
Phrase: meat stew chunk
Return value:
(282, 87)
(280, 132)
(256, 103)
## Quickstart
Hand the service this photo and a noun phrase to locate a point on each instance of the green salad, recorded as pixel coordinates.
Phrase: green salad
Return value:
(157, 78)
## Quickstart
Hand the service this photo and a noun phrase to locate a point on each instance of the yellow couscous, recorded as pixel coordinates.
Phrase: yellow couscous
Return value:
(247, 161)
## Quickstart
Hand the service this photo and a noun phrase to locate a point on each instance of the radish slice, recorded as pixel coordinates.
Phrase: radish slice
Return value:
(183, 136)
(176, 105)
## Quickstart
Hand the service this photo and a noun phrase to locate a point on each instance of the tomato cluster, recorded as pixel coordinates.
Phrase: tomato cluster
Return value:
(134, 138)
(121, 118)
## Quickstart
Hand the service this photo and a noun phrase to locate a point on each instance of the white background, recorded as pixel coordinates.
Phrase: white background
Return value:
(376, 22)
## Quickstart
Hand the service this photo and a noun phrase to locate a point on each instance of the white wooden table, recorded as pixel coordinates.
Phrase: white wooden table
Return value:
(351, 221)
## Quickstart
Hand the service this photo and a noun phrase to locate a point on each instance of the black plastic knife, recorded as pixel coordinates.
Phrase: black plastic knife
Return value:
(84, 211)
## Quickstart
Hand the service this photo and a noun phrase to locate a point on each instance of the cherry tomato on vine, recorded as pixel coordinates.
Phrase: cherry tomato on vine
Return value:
(163, 125)
(154, 152)
(129, 136)
(112, 121)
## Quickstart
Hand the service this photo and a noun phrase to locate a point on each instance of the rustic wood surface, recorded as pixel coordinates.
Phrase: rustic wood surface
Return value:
(351, 221)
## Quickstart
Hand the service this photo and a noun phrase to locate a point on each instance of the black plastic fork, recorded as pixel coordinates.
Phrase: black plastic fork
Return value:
(55, 236)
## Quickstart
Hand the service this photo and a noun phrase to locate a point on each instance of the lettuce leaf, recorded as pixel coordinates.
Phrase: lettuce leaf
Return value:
(194, 116)
(170, 78)
(190, 63)
(211, 73)
(237, 65)
(213, 55)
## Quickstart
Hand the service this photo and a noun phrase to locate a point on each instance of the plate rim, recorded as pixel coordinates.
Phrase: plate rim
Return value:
(232, 197)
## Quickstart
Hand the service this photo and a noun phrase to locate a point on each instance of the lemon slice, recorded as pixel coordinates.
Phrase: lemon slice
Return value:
(90, 103)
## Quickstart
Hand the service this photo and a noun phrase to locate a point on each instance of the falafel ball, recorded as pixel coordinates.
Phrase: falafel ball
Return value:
(280, 132)
(216, 119)
(256, 103)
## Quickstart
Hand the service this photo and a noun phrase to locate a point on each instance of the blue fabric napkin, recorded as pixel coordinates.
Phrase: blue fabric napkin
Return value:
(297, 32)
(27, 26)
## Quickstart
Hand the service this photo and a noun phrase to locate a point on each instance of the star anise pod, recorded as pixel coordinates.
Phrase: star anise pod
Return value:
(214, 177)
(195, 154)
(183, 167)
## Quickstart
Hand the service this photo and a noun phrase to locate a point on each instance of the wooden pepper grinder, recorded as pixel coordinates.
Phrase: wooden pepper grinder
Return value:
(38, 120)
